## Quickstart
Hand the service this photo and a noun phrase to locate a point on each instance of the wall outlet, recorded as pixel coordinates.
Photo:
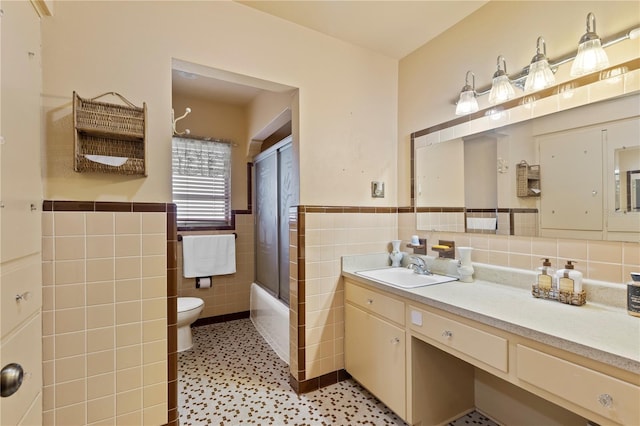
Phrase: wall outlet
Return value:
(377, 189)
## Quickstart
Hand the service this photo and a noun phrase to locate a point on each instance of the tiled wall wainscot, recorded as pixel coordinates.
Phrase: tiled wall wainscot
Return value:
(320, 236)
(107, 332)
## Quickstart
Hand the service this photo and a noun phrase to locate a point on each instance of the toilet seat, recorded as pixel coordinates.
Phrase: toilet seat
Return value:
(189, 303)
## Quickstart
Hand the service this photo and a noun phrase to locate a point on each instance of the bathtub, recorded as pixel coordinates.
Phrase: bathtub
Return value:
(271, 318)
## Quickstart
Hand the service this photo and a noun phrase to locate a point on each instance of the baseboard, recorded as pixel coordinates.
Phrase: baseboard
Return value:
(325, 380)
(220, 318)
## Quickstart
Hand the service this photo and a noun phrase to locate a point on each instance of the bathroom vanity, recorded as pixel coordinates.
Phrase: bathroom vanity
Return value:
(421, 350)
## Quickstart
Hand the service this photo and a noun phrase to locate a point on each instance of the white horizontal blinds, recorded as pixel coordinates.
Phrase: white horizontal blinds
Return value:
(201, 181)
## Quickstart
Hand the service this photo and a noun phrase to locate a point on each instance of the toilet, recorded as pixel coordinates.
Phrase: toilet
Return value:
(188, 310)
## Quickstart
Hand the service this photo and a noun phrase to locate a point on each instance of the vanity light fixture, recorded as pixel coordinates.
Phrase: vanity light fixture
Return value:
(501, 89)
(521, 77)
(540, 73)
(467, 103)
(591, 56)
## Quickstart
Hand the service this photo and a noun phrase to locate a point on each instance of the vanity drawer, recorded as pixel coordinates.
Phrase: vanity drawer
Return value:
(375, 302)
(607, 396)
(485, 347)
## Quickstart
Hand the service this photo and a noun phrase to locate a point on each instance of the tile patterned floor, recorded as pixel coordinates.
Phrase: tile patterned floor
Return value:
(232, 377)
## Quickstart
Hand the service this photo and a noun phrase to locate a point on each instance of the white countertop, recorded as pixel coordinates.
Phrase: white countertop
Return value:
(601, 332)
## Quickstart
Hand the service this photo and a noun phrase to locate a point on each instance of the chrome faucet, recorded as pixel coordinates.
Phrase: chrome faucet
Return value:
(418, 265)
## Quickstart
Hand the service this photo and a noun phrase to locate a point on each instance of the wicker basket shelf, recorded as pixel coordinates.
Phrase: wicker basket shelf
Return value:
(527, 180)
(112, 132)
(568, 297)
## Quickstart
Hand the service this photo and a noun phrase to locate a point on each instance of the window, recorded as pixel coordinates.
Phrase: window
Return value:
(201, 181)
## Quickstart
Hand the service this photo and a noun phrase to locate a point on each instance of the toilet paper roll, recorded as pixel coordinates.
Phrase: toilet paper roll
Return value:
(203, 282)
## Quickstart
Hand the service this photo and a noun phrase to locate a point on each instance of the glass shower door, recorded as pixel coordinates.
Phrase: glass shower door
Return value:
(276, 192)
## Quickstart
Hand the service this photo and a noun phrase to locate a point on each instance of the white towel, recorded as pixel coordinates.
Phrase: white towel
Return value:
(483, 223)
(107, 159)
(206, 255)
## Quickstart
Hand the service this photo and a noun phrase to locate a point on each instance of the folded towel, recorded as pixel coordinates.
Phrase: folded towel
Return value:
(206, 255)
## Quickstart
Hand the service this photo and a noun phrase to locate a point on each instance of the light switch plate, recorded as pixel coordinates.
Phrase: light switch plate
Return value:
(377, 189)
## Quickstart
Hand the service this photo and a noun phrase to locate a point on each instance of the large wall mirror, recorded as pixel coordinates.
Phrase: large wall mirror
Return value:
(569, 174)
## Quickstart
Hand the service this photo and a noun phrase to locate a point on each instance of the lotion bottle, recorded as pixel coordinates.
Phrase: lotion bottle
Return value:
(545, 275)
(569, 279)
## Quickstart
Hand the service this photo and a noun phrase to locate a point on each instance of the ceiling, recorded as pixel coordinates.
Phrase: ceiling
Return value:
(393, 28)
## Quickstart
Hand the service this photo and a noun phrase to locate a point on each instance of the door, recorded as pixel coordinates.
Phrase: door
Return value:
(266, 222)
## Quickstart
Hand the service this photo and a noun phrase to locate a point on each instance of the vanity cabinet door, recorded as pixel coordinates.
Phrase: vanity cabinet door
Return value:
(20, 174)
(375, 356)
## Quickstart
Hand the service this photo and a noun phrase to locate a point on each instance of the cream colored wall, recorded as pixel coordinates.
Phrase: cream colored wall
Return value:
(431, 77)
(219, 121)
(347, 94)
(264, 109)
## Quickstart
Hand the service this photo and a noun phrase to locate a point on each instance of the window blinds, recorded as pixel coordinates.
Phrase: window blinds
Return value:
(201, 181)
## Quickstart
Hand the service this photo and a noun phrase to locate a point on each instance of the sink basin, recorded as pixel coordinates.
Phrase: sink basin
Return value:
(404, 277)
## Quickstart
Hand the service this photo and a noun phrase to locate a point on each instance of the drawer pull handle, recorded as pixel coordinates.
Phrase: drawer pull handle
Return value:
(605, 400)
(395, 340)
(24, 296)
(447, 334)
(369, 301)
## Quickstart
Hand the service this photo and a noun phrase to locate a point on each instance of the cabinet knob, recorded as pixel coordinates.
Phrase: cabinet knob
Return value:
(11, 379)
(395, 340)
(369, 301)
(605, 400)
(447, 334)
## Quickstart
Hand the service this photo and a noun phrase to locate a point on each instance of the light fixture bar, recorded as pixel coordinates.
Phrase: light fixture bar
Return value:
(518, 78)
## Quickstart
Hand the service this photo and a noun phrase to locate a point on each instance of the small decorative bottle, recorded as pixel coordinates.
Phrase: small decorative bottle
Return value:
(546, 276)
(466, 268)
(395, 255)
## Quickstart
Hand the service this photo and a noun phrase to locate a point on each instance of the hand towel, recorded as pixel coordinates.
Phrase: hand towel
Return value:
(206, 255)
(482, 223)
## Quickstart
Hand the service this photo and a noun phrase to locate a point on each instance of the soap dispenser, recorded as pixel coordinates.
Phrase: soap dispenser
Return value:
(569, 280)
(545, 275)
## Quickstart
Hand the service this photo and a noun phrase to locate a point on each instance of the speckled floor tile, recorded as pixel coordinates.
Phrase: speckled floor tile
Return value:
(232, 377)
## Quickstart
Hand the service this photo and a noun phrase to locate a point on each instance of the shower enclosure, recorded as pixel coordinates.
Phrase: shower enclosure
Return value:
(276, 190)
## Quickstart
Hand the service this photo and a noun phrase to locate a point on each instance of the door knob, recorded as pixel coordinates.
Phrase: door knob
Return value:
(11, 379)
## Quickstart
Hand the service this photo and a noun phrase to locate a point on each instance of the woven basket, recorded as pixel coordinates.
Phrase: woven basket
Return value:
(124, 120)
(526, 176)
(110, 130)
(132, 150)
(568, 297)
